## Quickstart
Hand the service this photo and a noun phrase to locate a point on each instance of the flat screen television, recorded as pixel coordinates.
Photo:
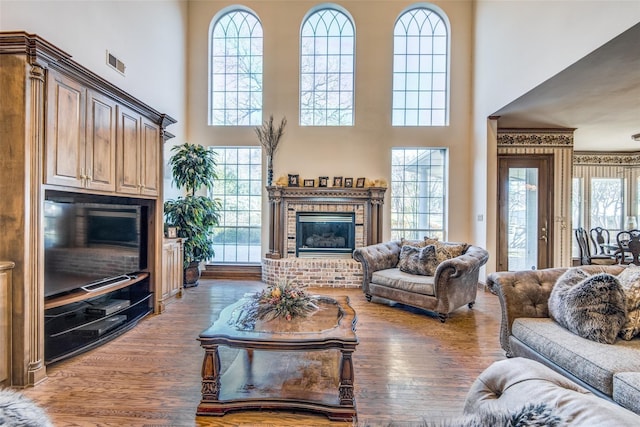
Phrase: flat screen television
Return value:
(91, 239)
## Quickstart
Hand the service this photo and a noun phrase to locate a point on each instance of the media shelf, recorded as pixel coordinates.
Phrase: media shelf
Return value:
(81, 320)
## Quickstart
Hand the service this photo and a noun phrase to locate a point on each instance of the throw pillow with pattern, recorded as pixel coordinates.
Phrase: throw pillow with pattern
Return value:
(630, 281)
(448, 250)
(593, 308)
(426, 241)
(420, 261)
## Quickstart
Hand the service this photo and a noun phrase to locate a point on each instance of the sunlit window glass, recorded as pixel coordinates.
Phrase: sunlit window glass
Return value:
(235, 87)
(418, 193)
(237, 239)
(327, 47)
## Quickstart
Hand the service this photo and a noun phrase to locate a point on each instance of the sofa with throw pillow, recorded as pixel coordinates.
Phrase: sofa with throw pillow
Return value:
(583, 322)
(436, 276)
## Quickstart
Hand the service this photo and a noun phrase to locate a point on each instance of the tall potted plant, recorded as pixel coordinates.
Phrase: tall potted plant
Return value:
(194, 170)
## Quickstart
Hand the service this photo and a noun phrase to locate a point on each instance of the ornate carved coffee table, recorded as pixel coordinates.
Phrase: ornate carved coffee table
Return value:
(301, 364)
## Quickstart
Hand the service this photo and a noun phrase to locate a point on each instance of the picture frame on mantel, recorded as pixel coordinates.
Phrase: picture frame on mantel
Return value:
(337, 181)
(294, 180)
(309, 183)
(323, 181)
(348, 182)
(360, 183)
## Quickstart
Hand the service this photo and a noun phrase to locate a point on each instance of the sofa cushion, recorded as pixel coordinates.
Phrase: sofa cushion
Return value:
(594, 363)
(394, 278)
(590, 306)
(626, 390)
(630, 281)
(421, 261)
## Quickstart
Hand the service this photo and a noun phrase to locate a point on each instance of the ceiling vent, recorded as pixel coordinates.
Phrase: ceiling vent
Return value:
(115, 63)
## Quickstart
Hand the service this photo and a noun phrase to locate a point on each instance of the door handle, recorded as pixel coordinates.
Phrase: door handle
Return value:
(543, 233)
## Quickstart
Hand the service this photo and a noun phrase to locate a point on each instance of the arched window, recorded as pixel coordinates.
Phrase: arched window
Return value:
(421, 68)
(327, 48)
(235, 86)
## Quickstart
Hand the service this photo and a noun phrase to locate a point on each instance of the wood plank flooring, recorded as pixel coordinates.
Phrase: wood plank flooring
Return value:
(409, 367)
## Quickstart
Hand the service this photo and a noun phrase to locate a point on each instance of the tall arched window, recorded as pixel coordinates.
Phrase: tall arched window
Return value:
(235, 86)
(421, 68)
(327, 47)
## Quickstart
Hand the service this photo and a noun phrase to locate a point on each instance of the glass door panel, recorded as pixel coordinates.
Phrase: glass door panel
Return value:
(522, 237)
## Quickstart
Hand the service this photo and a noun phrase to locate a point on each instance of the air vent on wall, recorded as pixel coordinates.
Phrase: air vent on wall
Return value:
(115, 63)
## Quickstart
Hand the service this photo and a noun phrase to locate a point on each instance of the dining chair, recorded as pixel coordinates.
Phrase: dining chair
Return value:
(585, 251)
(629, 246)
(601, 237)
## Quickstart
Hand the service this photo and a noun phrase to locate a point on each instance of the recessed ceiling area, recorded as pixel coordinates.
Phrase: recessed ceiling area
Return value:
(599, 96)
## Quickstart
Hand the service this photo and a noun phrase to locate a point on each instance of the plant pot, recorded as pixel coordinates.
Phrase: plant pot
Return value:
(191, 274)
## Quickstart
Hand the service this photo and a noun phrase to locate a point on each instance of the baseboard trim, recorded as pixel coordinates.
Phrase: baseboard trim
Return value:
(232, 271)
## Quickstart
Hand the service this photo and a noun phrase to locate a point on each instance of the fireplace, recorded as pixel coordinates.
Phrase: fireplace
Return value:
(326, 260)
(325, 235)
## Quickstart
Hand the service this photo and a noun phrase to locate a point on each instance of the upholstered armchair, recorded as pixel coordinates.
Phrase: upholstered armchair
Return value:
(454, 283)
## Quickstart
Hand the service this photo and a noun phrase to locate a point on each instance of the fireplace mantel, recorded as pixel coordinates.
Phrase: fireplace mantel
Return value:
(284, 202)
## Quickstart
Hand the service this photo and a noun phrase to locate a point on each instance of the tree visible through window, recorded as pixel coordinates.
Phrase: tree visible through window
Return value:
(236, 70)
(420, 69)
(418, 193)
(326, 69)
(237, 239)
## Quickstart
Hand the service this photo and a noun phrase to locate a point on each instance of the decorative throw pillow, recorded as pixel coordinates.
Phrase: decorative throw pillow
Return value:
(557, 304)
(421, 261)
(430, 240)
(415, 243)
(426, 241)
(630, 282)
(448, 250)
(593, 308)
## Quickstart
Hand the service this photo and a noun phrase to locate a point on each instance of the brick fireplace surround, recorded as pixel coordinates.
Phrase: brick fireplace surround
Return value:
(285, 202)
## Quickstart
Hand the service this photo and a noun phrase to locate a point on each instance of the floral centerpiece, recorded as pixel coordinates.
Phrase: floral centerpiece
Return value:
(285, 299)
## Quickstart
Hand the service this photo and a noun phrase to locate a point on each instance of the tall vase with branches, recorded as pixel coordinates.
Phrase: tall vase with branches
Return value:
(269, 137)
(194, 169)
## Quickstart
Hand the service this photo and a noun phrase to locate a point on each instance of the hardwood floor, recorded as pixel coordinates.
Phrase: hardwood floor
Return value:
(409, 367)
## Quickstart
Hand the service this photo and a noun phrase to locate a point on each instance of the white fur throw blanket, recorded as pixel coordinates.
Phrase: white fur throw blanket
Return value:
(17, 410)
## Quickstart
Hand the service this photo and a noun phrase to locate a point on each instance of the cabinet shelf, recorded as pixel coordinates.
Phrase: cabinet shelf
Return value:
(88, 319)
(82, 295)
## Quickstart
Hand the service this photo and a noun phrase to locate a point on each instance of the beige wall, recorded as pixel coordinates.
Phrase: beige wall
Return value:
(148, 36)
(363, 149)
(518, 45)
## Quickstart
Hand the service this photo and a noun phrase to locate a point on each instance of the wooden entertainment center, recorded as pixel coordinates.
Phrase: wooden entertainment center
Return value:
(66, 129)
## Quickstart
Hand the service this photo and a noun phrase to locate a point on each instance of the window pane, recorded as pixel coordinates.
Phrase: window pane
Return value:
(236, 62)
(418, 193)
(420, 48)
(606, 203)
(326, 69)
(240, 191)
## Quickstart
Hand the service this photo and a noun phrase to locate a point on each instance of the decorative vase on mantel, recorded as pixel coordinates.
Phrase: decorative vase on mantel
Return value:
(269, 170)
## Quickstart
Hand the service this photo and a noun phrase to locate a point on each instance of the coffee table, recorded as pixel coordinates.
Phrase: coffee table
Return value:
(301, 364)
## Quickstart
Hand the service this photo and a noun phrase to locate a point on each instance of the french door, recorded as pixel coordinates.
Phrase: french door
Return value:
(525, 226)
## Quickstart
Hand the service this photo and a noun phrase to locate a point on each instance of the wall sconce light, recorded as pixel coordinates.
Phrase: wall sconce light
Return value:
(636, 137)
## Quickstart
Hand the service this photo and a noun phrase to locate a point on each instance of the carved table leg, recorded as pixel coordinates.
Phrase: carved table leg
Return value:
(211, 374)
(345, 389)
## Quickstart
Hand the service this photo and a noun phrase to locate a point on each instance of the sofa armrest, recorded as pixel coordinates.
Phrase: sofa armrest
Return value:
(376, 257)
(456, 279)
(526, 293)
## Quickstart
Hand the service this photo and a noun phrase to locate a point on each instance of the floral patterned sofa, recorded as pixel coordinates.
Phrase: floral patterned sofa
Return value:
(454, 282)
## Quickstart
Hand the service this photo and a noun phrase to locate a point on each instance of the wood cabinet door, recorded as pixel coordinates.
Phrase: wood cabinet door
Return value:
(100, 148)
(65, 131)
(128, 156)
(150, 167)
